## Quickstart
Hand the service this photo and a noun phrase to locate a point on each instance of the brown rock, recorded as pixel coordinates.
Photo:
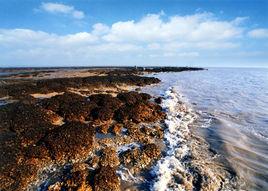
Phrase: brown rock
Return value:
(55, 187)
(77, 180)
(117, 128)
(152, 151)
(72, 140)
(10, 157)
(109, 157)
(130, 157)
(29, 122)
(102, 113)
(107, 105)
(104, 128)
(149, 154)
(159, 131)
(132, 98)
(140, 112)
(106, 179)
(72, 107)
(19, 165)
(25, 174)
(134, 131)
(33, 135)
(7, 182)
(62, 84)
(154, 132)
(37, 155)
(106, 100)
(54, 118)
(94, 161)
(139, 159)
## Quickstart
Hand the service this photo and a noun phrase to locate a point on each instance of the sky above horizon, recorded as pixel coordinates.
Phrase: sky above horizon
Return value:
(217, 33)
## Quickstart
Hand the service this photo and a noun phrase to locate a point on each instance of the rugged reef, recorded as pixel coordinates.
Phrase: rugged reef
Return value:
(22, 89)
(77, 141)
(31, 139)
(63, 131)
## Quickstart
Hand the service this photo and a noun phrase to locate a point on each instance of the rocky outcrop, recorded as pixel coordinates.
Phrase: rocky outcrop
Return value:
(138, 159)
(109, 157)
(22, 89)
(37, 133)
(138, 109)
(131, 98)
(30, 141)
(117, 128)
(27, 122)
(106, 179)
(71, 141)
(78, 179)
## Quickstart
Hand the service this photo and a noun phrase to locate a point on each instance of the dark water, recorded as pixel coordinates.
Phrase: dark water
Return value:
(233, 108)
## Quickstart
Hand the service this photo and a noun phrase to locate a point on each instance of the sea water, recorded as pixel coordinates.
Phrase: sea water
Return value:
(232, 109)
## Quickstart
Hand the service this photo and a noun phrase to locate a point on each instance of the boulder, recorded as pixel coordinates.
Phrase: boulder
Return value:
(109, 157)
(72, 140)
(132, 98)
(76, 180)
(71, 106)
(117, 128)
(106, 179)
(140, 112)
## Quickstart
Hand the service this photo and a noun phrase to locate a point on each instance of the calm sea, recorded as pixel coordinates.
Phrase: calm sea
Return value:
(233, 108)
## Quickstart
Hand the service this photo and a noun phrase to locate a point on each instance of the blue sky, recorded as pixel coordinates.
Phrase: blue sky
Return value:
(92, 33)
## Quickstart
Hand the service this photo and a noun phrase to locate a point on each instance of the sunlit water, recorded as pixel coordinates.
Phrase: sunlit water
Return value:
(233, 109)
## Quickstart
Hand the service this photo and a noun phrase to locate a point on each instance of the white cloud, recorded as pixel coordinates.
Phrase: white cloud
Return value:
(154, 46)
(195, 27)
(56, 8)
(17, 38)
(100, 29)
(176, 37)
(239, 20)
(258, 33)
(181, 54)
(62, 9)
(78, 14)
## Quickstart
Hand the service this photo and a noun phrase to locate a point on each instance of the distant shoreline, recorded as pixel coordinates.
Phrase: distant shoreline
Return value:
(10, 72)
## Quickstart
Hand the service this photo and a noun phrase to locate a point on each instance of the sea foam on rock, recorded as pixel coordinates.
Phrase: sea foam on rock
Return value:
(170, 172)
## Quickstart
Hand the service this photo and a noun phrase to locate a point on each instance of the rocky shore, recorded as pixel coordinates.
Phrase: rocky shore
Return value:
(75, 133)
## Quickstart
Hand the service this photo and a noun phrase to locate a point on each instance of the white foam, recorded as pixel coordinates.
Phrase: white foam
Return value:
(179, 116)
(125, 175)
(123, 148)
(124, 172)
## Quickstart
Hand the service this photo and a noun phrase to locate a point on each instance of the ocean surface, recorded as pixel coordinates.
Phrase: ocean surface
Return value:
(232, 109)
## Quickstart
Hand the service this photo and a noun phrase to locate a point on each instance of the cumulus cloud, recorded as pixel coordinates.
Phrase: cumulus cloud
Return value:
(172, 54)
(62, 9)
(100, 29)
(26, 38)
(258, 33)
(195, 27)
(152, 36)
